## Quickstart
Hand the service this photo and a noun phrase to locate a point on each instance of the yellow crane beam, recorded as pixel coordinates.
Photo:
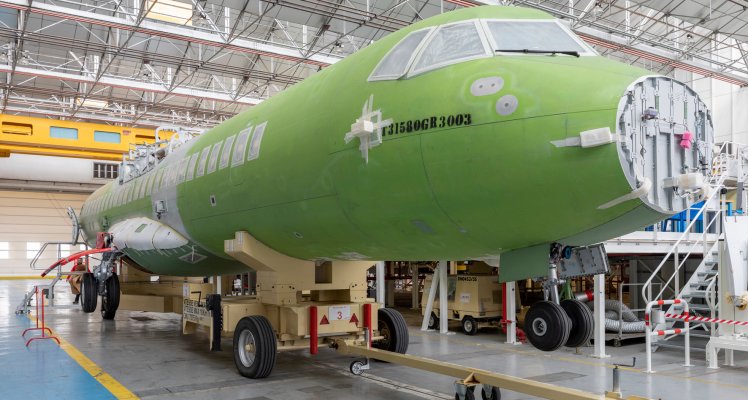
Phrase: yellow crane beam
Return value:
(50, 137)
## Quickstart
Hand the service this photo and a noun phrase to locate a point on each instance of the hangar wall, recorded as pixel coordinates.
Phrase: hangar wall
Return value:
(27, 220)
(728, 102)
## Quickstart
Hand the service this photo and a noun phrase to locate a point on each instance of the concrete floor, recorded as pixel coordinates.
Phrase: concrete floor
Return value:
(147, 354)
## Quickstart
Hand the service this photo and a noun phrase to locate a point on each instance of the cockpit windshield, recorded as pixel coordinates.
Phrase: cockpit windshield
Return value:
(449, 44)
(436, 47)
(537, 36)
(395, 64)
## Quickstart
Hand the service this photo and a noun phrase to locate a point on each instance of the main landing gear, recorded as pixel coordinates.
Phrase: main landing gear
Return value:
(552, 323)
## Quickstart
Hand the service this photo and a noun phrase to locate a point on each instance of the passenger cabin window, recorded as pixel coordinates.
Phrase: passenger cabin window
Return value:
(203, 161)
(396, 62)
(516, 36)
(213, 162)
(451, 44)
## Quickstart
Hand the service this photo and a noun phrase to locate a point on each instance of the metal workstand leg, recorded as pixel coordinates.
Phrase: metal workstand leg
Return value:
(511, 314)
(599, 336)
(430, 301)
(443, 302)
(380, 283)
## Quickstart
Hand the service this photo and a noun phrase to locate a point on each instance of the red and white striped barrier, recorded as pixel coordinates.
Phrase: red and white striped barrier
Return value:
(693, 318)
(687, 318)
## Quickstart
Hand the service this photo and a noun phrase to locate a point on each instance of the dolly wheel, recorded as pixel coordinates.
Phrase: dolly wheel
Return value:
(89, 297)
(394, 330)
(433, 321)
(469, 325)
(357, 367)
(547, 326)
(469, 394)
(490, 393)
(254, 347)
(582, 322)
(110, 299)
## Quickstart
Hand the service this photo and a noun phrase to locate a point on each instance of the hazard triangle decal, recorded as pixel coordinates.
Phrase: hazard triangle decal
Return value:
(353, 320)
(324, 320)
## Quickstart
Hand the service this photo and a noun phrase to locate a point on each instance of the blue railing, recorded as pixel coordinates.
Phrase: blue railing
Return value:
(679, 222)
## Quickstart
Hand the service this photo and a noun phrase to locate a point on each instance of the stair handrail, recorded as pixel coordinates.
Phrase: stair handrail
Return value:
(675, 246)
(712, 302)
(716, 186)
(43, 248)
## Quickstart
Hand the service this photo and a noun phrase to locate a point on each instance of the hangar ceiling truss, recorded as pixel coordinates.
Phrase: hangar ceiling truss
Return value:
(198, 62)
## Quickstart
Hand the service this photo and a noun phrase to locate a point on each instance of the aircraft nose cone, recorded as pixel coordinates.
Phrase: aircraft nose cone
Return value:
(665, 138)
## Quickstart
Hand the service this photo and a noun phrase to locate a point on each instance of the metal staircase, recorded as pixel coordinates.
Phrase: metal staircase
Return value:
(700, 289)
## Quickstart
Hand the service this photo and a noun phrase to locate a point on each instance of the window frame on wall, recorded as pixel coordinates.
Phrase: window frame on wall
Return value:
(32, 249)
(4, 250)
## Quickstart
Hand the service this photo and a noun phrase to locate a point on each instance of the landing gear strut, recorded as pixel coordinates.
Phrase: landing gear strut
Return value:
(103, 281)
(553, 323)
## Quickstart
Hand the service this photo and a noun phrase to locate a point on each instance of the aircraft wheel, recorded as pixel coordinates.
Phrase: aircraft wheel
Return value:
(89, 295)
(547, 326)
(392, 326)
(110, 299)
(490, 393)
(433, 321)
(469, 325)
(582, 322)
(254, 347)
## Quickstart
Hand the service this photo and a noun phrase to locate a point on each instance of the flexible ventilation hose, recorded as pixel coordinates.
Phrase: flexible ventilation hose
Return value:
(631, 324)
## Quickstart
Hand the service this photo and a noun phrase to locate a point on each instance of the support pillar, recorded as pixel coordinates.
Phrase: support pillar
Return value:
(599, 335)
(380, 283)
(510, 312)
(430, 301)
(389, 292)
(415, 286)
(443, 301)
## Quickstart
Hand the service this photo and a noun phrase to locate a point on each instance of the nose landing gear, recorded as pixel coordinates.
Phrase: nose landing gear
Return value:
(553, 323)
(103, 281)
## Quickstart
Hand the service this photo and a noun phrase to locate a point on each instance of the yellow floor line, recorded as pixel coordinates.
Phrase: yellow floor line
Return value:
(589, 362)
(106, 380)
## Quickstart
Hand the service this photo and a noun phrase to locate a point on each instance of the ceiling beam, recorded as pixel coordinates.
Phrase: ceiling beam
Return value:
(133, 84)
(171, 31)
(614, 39)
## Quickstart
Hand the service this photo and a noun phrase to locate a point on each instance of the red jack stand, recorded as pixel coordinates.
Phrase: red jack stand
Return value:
(43, 327)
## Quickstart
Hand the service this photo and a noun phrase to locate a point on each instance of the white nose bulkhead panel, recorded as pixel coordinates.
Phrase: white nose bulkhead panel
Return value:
(665, 138)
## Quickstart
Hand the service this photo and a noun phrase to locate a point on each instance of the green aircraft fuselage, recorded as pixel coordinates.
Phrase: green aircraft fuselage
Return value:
(461, 173)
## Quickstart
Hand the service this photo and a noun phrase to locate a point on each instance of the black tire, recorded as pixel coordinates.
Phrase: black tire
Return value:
(392, 326)
(89, 293)
(469, 394)
(469, 325)
(110, 299)
(547, 326)
(433, 321)
(582, 322)
(257, 332)
(493, 394)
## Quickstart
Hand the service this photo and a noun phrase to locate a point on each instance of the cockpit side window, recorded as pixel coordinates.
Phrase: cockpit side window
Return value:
(396, 62)
(515, 36)
(451, 44)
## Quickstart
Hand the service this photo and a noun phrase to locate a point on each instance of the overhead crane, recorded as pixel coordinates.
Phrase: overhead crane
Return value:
(51, 137)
